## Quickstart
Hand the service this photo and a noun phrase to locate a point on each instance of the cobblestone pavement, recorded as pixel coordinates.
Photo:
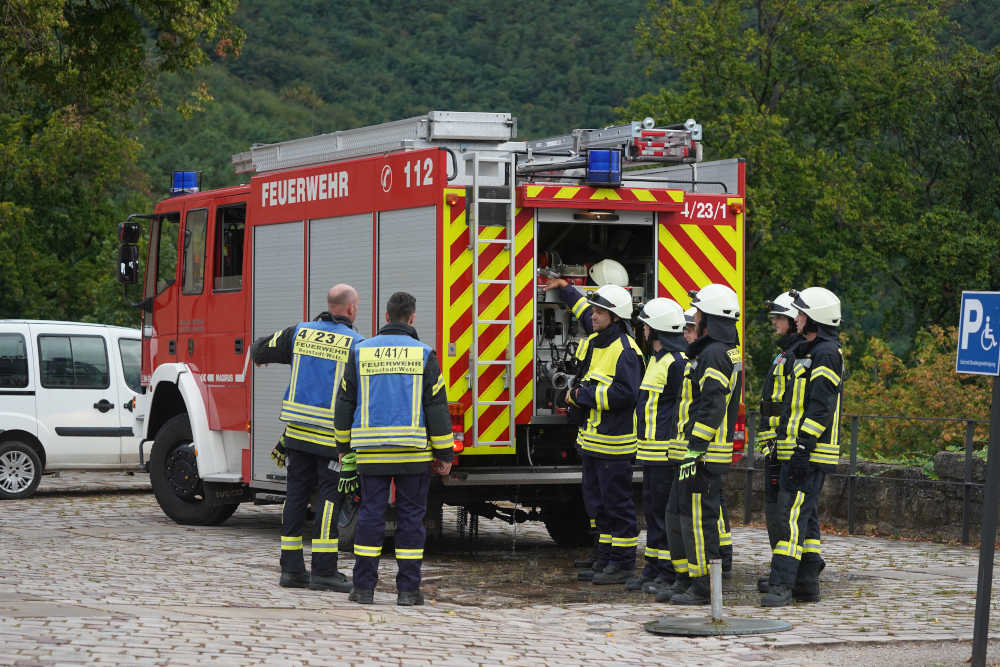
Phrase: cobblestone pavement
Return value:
(108, 578)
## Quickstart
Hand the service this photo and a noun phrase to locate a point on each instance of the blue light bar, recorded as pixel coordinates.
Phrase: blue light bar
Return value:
(186, 182)
(604, 168)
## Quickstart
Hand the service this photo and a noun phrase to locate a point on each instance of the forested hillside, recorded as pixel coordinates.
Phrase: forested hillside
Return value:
(311, 66)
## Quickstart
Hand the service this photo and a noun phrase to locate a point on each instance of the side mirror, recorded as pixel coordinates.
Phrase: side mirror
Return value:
(128, 232)
(128, 263)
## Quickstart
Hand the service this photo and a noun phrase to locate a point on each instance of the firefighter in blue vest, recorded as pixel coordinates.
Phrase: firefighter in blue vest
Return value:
(782, 314)
(603, 401)
(715, 381)
(317, 352)
(656, 418)
(811, 443)
(392, 412)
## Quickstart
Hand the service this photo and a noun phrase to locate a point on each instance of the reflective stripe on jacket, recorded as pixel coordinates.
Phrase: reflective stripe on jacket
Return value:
(656, 410)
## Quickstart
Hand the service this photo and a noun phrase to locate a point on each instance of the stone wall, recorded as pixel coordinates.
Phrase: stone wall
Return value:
(889, 500)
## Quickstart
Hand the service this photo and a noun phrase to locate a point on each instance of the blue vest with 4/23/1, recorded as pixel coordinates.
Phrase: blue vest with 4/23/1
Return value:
(319, 356)
(390, 380)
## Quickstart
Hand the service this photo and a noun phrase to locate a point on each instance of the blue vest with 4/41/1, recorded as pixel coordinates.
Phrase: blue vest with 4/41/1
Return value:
(390, 380)
(319, 355)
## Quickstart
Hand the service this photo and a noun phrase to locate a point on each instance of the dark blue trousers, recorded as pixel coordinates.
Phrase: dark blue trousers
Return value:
(307, 473)
(610, 481)
(656, 483)
(411, 505)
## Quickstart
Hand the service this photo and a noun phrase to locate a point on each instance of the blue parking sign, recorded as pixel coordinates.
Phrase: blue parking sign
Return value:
(979, 334)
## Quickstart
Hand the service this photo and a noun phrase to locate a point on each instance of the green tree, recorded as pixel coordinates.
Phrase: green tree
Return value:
(72, 75)
(861, 174)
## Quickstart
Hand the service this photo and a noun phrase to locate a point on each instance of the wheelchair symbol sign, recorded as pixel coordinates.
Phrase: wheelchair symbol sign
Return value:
(979, 334)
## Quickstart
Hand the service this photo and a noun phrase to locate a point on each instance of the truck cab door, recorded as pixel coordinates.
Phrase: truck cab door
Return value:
(162, 289)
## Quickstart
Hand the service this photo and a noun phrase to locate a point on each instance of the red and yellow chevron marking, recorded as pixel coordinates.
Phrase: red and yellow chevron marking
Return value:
(494, 420)
(692, 255)
(565, 196)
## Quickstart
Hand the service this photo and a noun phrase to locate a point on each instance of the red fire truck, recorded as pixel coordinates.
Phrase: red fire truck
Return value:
(450, 207)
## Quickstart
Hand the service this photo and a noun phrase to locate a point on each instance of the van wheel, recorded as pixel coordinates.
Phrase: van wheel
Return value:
(20, 470)
(173, 473)
(567, 523)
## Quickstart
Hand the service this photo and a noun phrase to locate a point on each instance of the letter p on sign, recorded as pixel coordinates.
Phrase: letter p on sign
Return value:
(972, 320)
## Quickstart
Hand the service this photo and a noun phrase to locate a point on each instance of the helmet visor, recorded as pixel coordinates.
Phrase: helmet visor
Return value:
(600, 301)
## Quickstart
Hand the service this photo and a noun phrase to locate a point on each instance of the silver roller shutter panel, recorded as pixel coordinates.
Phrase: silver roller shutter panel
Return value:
(277, 303)
(407, 262)
(340, 251)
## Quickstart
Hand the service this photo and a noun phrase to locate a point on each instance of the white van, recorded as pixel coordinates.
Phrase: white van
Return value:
(70, 398)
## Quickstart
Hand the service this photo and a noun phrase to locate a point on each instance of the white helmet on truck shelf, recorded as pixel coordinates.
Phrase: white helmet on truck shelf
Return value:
(718, 300)
(609, 272)
(819, 304)
(614, 298)
(662, 314)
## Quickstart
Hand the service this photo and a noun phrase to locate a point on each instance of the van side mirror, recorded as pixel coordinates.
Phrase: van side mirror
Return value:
(128, 263)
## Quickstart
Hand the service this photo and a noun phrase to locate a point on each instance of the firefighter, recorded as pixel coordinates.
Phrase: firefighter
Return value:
(782, 314)
(392, 411)
(656, 419)
(811, 435)
(715, 380)
(317, 352)
(725, 529)
(602, 402)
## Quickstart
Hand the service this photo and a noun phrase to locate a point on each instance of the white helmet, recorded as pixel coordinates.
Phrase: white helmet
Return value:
(663, 314)
(689, 316)
(819, 304)
(614, 298)
(609, 272)
(782, 305)
(718, 300)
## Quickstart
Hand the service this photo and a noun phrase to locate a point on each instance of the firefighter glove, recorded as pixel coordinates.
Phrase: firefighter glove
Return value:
(688, 467)
(798, 467)
(767, 447)
(279, 454)
(348, 482)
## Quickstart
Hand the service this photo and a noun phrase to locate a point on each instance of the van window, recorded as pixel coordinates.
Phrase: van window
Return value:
(229, 225)
(193, 278)
(131, 353)
(13, 361)
(74, 362)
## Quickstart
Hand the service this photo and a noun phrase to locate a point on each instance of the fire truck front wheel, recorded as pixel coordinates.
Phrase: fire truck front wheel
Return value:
(173, 473)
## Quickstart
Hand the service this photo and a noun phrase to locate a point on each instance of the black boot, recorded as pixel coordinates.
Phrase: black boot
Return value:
(699, 592)
(409, 598)
(337, 581)
(806, 588)
(680, 585)
(638, 582)
(763, 583)
(778, 595)
(614, 573)
(293, 579)
(362, 595)
(656, 585)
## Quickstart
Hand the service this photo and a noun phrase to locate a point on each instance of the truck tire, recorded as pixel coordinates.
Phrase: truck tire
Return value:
(20, 470)
(173, 473)
(567, 523)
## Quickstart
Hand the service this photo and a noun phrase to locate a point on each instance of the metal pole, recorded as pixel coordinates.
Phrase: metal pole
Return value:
(970, 430)
(984, 585)
(852, 474)
(748, 457)
(715, 572)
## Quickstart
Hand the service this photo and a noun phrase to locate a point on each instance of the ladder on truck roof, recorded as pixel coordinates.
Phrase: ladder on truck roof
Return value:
(471, 131)
(507, 167)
